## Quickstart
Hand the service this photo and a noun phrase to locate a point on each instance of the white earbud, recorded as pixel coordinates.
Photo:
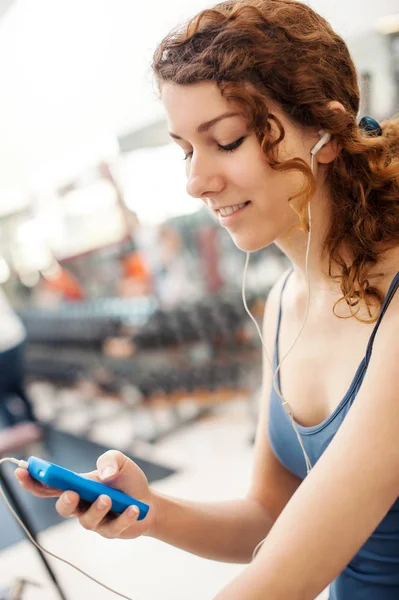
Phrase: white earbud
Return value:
(325, 137)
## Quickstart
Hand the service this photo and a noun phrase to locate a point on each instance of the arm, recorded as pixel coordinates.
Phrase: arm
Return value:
(230, 531)
(225, 531)
(345, 496)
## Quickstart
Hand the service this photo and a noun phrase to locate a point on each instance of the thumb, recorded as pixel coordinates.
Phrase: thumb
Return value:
(119, 471)
(109, 464)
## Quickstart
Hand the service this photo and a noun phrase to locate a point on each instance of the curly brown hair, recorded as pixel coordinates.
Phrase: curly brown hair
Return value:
(258, 51)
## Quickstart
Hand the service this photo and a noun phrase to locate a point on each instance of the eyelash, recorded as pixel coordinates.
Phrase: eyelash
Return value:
(229, 148)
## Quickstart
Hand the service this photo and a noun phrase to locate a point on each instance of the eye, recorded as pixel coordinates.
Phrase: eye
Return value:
(233, 146)
(229, 148)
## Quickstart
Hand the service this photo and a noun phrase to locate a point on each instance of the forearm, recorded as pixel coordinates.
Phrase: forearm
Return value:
(226, 531)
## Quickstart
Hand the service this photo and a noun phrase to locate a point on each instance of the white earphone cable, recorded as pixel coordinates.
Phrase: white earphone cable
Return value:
(23, 464)
(285, 404)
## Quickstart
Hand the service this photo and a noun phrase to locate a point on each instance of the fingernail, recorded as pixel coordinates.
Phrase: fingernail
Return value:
(67, 499)
(102, 502)
(107, 472)
(133, 511)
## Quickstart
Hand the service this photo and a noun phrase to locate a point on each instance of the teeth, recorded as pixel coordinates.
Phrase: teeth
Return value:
(229, 210)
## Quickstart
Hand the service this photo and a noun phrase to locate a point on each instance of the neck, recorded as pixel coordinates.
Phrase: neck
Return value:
(294, 245)
(324, 289)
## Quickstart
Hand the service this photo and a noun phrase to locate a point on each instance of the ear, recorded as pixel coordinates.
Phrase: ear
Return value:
(331, 150)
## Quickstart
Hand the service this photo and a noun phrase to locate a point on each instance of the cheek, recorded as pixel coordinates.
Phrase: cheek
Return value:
(248, 170)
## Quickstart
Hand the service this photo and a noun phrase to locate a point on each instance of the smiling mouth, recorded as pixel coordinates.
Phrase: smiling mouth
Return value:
(226, 211)
(227, 218)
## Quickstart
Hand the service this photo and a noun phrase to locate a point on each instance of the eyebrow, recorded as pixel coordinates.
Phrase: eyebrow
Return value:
(208, 124)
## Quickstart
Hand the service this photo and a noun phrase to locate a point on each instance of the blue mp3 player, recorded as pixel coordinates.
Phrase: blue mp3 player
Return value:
(89, 490)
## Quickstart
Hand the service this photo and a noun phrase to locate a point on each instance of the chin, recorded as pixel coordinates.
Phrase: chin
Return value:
(250, 244)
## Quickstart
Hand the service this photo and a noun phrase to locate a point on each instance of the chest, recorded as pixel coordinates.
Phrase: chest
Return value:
(318, 372)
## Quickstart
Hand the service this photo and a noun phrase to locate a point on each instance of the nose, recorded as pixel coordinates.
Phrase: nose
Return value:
(203, 178)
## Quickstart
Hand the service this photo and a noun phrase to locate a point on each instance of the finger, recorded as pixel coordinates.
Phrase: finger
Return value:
(96, 513)
(114, 528)
(33, 486)
(67, 504)
(119, 471)
(109, 464)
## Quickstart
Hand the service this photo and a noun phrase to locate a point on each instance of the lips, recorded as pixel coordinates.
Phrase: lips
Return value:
(232, 207)
(230, 218)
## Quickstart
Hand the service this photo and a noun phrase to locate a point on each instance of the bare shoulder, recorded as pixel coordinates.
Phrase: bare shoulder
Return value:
(272, 484)
(385, 350)
(391, 314)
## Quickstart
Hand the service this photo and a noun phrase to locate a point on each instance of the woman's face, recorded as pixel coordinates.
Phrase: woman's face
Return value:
(226, 168)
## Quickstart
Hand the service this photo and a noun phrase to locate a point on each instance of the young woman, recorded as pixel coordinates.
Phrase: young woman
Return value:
(262, 97)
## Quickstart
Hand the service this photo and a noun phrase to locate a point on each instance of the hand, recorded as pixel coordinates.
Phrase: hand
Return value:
(116, 470)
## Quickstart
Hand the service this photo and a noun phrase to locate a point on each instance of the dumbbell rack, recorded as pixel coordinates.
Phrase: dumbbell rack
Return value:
(200, 351)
